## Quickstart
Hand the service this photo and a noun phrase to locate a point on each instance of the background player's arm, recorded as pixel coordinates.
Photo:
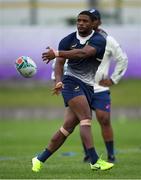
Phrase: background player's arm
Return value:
(121, 61)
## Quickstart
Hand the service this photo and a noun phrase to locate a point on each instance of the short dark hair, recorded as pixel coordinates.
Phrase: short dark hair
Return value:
(88, 13)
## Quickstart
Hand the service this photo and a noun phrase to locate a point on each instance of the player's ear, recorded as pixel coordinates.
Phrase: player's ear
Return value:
(95, 24)
(100, 22)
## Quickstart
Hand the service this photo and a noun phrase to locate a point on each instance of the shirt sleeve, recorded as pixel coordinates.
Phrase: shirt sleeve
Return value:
(99, 44)
(120, 58)
(64, 44)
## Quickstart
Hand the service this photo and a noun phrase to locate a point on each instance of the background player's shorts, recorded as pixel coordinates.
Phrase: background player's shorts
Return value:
(102, 101)
(74, 87)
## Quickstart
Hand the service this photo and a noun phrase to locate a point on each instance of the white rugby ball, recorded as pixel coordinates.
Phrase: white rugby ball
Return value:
(26, 66)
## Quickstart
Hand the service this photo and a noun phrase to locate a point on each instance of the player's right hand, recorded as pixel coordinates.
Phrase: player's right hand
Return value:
(57, 89)
(48, 55)
(106, 82)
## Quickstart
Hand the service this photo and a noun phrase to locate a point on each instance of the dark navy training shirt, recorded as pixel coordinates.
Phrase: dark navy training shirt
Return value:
(84, 69)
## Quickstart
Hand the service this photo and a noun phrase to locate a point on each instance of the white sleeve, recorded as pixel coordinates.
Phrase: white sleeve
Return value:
(53, 67)
(53, 64)
(120, 58)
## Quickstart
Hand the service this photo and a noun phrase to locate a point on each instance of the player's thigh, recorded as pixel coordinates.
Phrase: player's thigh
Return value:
(79, 105)
(70, 120)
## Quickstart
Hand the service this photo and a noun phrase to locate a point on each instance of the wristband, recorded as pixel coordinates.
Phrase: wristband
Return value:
(56, 53)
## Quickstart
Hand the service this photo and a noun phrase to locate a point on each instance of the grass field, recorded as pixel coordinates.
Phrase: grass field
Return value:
(21, 140)
(126, 93)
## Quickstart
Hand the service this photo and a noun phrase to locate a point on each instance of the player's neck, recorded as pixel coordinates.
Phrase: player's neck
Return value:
(83, 39)
(83, 35)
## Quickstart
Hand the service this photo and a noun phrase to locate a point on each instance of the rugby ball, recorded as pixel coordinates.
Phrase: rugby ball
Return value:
(26, 66)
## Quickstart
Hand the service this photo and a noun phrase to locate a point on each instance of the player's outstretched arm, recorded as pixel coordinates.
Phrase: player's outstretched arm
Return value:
(85, 52)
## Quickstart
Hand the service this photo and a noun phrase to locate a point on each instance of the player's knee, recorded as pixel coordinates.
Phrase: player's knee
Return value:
(104, 121)
(85, 122)
(103, 117)
(64, 131)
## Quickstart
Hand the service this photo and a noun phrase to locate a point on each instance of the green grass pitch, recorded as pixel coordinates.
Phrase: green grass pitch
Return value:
(126, 93)
(21, 140)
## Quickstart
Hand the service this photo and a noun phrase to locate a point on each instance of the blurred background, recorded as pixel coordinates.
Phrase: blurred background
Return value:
(27, 27)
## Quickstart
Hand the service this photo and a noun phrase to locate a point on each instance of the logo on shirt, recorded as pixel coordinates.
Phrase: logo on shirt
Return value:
(74, 45)
(77, 88)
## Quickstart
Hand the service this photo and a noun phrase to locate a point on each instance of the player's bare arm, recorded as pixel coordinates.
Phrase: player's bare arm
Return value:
(59, 71)
(85, 52)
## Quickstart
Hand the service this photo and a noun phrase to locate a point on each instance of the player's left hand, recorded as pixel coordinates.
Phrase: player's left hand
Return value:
(57, 89)
(48, 55)
(106, 82)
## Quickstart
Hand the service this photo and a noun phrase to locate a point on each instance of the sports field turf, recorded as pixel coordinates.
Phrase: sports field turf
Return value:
(21, 140)
(32, 94)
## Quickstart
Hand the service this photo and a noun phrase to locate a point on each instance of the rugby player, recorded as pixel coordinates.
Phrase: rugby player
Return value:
(84, 50)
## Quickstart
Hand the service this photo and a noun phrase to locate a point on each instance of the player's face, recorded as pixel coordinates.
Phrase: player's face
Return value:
(84, 25)
(96, 24)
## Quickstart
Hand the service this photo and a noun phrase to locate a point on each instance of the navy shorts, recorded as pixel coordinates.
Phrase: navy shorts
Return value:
(102, 101)
(74, 87)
